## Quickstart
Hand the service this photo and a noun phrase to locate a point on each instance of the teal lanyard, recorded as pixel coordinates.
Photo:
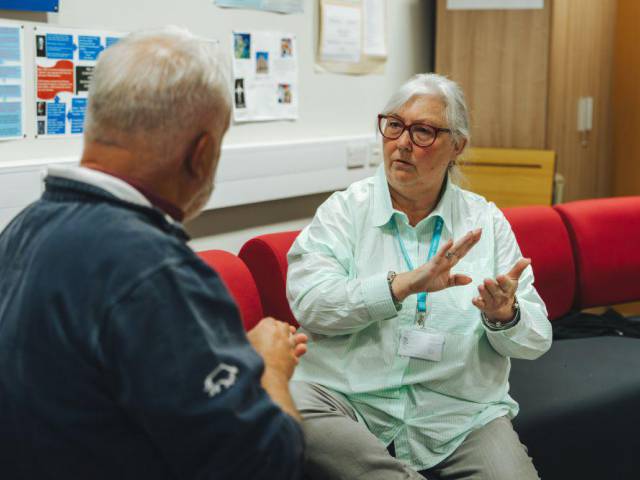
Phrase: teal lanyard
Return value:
(435, 241)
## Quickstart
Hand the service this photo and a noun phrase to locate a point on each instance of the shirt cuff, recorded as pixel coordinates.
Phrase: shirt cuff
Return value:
(512, 332)
(377, 297)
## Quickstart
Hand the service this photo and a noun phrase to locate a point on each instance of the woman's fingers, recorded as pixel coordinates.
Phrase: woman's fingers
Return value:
(453, 251)
(479, 303)
(507, 285)
(459, 279)
(487, 298)
(444, 249)
(466, 243)
(494, 290)
(518, 268)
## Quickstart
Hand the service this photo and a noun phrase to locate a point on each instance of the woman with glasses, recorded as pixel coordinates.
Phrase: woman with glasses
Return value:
(414, 295)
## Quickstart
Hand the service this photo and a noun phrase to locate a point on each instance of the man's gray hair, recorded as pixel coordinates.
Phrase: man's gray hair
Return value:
(456, 112)
(161, 85)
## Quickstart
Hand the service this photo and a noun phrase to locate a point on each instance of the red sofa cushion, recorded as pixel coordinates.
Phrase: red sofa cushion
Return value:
(238, 279)
(266, 257)
(605, 234)
(543, 237)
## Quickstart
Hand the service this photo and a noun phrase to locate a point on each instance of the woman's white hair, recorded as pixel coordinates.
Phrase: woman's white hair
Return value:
(163, 85)
(456, 111)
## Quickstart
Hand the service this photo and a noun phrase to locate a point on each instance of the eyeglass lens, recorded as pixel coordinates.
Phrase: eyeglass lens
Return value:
(422, 135)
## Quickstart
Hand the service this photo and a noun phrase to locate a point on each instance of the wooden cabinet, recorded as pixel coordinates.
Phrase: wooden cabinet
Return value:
(523, 72)
(626, 99)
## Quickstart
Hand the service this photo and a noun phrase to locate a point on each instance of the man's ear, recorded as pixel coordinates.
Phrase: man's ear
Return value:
(198, 156)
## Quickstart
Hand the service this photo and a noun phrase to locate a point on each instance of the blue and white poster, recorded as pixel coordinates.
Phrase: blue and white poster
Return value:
(64, 62)
(30, 5)
(11, 81)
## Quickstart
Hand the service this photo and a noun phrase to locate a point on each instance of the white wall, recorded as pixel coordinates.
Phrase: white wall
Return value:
(330, 105)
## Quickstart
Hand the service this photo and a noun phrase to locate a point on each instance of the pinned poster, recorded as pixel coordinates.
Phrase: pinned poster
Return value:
(64, 61)
(353, 36)
(11, 81)
(265, 76)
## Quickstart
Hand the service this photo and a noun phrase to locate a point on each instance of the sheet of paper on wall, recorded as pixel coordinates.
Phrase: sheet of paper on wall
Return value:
(265, 76)
(341, 33)
(64, 61)
(495, 4)
(280, 6)
(374, 12)
(12, 108)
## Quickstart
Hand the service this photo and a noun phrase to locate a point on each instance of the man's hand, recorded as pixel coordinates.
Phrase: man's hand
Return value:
(436, 273)
(280, 348)
(278, 345)
(299, 342)
(497, 296)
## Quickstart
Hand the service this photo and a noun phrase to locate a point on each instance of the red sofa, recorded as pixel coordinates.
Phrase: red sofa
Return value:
(580, 402)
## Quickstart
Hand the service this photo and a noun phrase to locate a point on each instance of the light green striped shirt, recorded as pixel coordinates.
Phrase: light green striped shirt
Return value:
(338, 291)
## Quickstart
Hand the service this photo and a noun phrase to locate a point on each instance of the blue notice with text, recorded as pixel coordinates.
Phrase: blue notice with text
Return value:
(10, 73)
(10, 119)
(77, 114)
(60, 46)
(90, 47)
(10, 82)
(10, 92)
(56, 118)
(9, 44)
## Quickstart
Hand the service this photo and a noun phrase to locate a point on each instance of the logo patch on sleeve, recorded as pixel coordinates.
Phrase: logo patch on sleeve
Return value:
(223, 376)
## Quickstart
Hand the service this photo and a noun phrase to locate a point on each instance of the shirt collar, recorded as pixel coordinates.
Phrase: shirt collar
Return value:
(383, 208)
(117, 187)
(155, 200)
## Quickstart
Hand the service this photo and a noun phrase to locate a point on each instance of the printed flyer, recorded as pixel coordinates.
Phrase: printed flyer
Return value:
(265, 76)
(64, 61)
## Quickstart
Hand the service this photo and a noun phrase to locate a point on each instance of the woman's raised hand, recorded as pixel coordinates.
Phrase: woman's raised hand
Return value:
(497, 296)
(436, 273)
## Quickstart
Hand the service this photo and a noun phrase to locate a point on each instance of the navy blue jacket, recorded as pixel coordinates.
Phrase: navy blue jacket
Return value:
(109, 328)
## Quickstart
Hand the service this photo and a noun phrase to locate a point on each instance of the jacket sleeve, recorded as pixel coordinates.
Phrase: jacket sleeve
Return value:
(531, 336)
(325, 294)
(179, 364)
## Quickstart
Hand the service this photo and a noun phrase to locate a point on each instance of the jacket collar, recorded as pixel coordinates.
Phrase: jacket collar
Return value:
(87, 181)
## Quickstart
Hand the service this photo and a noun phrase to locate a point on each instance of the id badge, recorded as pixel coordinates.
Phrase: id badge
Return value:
(421, 344)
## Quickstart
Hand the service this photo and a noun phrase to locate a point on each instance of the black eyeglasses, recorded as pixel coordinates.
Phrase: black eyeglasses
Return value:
(421, 134)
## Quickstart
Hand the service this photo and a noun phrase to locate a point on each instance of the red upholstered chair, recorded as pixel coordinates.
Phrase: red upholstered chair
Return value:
(236, 277)
(605, 235)
(543, 237)
(266, 257)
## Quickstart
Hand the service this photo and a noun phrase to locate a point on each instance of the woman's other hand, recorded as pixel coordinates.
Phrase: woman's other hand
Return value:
(436, 273)
(497, 296)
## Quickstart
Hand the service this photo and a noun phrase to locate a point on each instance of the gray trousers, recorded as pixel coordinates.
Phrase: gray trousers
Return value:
(340, 447)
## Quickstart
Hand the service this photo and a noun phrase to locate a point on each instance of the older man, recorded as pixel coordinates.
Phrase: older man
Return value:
(121, 353)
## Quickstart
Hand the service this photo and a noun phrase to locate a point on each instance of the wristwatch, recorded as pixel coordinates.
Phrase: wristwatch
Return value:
(390, 277)
(495, 326)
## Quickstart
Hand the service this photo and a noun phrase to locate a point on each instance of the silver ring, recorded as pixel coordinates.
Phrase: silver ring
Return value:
(450, 254)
